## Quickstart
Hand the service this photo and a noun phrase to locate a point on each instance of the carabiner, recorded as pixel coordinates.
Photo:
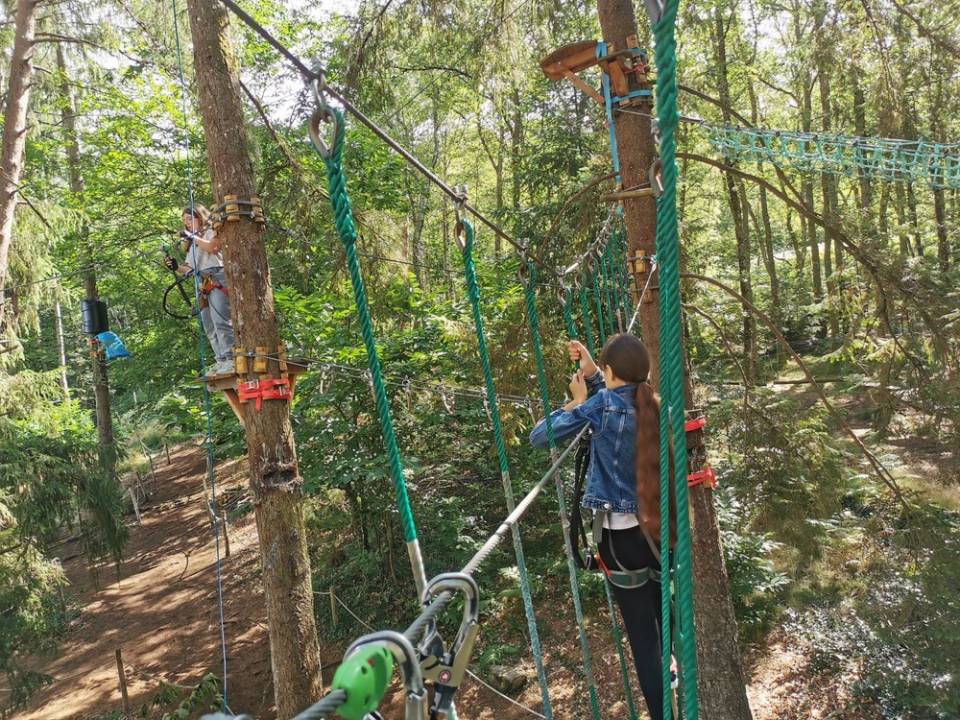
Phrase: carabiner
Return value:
(320, 115)
(447, 669)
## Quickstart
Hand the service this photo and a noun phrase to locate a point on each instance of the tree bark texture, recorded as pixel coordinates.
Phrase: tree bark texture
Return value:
(721, 684)
(637, 153)
(274, 472)
(736, 200)
(15, 131)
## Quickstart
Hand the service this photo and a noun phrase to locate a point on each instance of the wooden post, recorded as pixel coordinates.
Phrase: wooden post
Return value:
(274, 472)
(226, 537)
(166, 449)
(333, 606)
(153, 471)
(136, 508)
(123, 684)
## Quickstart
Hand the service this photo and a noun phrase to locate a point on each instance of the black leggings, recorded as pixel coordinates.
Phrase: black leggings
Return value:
(640, 609)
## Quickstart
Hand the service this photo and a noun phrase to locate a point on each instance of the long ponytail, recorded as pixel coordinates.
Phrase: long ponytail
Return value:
(648, 464)
(629, 360)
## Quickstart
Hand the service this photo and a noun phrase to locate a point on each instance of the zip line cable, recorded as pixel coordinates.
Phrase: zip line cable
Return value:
(208, 440)
(318, 79)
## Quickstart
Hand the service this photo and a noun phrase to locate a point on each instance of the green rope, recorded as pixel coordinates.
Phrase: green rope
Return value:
(568, 313)
(473, 293)
(347, 230)
(671, 375)
(534, 322)
(585, 319)
(624, 274)
(598, 303)
(611, 311)
(614, 622)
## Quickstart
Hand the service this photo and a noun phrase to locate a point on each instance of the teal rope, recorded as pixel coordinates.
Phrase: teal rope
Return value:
(534, 322)
(598, 303)
(607, 290)
(671, 371)
(347, 230)
(614, 621)
(473, 293)
(625, 298)
(585, 319)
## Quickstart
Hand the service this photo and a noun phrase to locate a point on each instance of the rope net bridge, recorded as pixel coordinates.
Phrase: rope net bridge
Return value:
(599, 283)
(890, 160)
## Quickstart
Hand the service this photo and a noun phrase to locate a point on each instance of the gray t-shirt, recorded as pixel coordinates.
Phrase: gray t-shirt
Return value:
(204, 259)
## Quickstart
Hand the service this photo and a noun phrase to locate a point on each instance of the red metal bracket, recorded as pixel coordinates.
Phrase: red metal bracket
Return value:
(265, 389)
(695, 424)
(705, 476)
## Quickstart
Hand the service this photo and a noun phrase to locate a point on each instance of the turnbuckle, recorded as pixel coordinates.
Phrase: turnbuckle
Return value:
(445, 668)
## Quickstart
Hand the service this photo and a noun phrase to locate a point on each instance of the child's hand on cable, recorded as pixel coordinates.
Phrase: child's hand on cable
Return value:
(578, 388)
(579, 353)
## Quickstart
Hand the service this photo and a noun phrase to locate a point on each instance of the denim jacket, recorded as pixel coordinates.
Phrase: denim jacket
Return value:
(612, 416)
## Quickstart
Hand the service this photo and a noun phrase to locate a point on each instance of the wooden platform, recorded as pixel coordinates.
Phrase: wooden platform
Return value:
(228, 383)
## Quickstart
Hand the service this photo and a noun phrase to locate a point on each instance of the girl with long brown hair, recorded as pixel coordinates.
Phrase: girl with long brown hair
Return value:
(203, 253)
(613, 396)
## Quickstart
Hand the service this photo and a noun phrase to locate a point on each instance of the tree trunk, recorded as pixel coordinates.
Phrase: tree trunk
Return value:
(828, 187)
(943, 243)
(637, 153)
(766, 236)
(516, 149)
(900, 203)
(15, 131)
(736, 198)
(62, 349)
(721, 683)
(271, 452)
(101, 384)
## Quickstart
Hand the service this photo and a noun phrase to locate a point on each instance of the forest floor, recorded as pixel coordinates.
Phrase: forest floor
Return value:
(163, 613)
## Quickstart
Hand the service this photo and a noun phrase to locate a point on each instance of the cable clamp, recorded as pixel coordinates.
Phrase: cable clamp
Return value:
(706, 476)
(264, 389)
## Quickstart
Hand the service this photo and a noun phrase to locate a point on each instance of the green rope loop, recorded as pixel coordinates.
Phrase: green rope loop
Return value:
(473, 293)
(347, 231)
(533, 319)
(671, 373)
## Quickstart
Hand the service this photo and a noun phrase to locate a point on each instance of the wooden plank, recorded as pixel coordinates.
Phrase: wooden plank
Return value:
(574, 57)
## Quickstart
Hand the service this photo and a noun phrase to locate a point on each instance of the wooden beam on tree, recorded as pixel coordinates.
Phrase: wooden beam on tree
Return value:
(274, 471)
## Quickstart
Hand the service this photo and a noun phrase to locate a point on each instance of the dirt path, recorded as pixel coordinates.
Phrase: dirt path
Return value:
(163, 611)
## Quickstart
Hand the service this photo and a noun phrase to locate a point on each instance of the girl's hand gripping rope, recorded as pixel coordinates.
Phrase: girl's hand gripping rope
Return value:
(580, 354)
